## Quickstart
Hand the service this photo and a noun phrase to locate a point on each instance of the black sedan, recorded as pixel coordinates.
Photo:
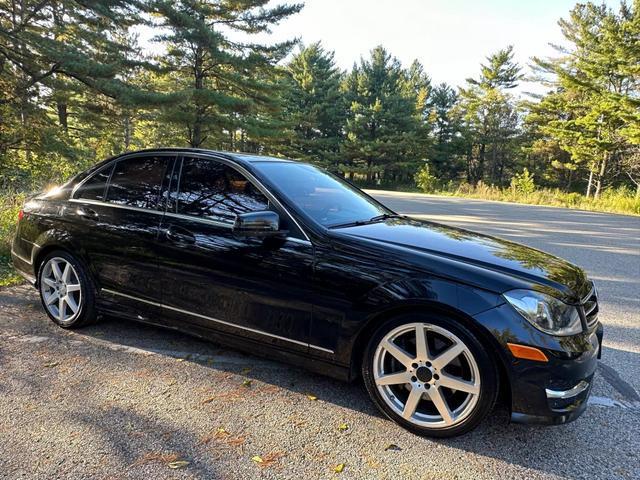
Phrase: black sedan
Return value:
(283, 259)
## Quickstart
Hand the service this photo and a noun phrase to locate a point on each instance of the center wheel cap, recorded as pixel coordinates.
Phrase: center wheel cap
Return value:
(424, 374)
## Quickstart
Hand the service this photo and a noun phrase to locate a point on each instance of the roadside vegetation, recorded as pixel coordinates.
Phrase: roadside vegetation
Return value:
(523, 189)
(77, 85)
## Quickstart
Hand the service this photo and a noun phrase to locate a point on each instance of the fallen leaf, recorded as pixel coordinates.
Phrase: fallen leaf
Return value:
(178, 464)
(339, 468)
(269, 459)
(245, 371)
(235, 442)
(209, 400)
(343, 426)
(51, 364)
(393, 447)
(312, 397)
(180, 359)
(246, 383)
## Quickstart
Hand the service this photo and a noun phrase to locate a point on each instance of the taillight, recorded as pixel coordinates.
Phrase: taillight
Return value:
(20, 214)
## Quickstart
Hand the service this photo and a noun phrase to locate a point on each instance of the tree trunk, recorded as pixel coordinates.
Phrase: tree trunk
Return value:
(127, 131)
(589, 183)
(603, 166)
(63, 116)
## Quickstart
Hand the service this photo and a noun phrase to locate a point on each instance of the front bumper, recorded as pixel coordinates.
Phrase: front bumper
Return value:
(553, 392)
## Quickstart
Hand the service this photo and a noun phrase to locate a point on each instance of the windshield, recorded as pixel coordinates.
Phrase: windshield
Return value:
(325, 198)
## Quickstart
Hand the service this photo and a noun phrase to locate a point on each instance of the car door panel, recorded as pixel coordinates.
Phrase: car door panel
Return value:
(256, 287)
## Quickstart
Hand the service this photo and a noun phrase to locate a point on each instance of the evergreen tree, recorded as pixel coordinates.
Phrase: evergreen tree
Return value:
(219, 74)
(597, 81)
(381, 125)
(492, 118)
(315, 107)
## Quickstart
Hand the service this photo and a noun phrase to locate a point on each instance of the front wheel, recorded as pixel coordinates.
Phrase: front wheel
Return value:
(430, 374)
(66, 290)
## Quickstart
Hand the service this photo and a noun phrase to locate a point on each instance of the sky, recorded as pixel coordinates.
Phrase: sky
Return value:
(449, 37)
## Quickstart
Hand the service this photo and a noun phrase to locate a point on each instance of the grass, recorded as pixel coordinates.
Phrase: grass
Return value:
(10, 204)
(611, 200)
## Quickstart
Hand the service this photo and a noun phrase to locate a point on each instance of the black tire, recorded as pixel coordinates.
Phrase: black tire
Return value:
(488, 374)
(87, 313)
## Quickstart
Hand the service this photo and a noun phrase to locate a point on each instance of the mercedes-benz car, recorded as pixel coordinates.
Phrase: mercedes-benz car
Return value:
(283, 259)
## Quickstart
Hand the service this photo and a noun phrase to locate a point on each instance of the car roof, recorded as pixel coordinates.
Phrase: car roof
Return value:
(237, 156)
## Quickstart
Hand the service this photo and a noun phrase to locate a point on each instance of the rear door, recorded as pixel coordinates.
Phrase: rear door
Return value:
(214, 279)
(117, 214)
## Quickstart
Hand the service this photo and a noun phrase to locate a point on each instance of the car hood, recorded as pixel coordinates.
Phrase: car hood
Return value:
(538, 269)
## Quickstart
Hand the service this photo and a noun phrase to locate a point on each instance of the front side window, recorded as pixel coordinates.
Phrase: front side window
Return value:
(94, 187)
(213, 190)
(325, 198)
(136, 182)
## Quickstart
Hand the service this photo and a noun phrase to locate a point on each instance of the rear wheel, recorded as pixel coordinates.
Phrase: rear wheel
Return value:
(66, 290)
(430, 374)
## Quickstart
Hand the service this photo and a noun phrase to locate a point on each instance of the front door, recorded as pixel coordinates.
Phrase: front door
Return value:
(252, 287)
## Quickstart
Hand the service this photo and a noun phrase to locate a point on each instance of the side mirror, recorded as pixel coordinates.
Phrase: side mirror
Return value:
(258, 224)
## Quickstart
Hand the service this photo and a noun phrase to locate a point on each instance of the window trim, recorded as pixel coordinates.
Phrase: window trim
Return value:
(178, 156)
(250, 177)
(112, 165)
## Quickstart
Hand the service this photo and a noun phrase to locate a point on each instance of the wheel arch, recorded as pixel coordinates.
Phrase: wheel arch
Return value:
(485, 337)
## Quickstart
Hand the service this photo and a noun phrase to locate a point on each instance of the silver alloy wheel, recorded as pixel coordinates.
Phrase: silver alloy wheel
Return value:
(61, 290)
(435, 387)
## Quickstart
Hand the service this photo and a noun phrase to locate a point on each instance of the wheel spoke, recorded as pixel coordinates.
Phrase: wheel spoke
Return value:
(459, 384)
(398, 353)
(49, 282)
(51, 298)
(72, 303)
(55, 268)
(73, 288)
(66, 272)
(394, 378)
(445, 358)
(61, 308)
(422, 351)
(412, 403)
(435, 395)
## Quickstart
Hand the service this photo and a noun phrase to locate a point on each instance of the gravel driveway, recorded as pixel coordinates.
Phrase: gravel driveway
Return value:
(120, 400)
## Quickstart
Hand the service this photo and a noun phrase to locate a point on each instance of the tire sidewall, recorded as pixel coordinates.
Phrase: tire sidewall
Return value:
(87, 308)
(486, 366)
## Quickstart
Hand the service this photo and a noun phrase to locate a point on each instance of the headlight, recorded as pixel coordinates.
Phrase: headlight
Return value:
(545, 312)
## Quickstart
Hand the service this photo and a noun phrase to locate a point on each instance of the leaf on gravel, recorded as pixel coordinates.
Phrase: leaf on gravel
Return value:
(208, 400)
(235, 442)
(246, 383)
(343, 426)
(51, 364)
(392, 447)
(178, 464)
(244, 371)
(312, 397)
(269, 459)
(179, 359)
(339, 468)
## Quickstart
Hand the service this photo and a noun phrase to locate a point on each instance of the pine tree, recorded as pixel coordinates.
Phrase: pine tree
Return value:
(314, 106)
(599, 82)
(491, 116)
(219, 75)
(381, 125)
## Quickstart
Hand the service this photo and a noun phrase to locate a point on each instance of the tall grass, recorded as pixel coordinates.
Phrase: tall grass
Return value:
(616, 200)
(10, 204)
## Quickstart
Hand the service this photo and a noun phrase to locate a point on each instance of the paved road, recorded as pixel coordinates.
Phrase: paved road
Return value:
(118, 400)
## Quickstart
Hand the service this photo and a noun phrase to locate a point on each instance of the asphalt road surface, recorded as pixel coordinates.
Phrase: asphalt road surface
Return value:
(119, 400)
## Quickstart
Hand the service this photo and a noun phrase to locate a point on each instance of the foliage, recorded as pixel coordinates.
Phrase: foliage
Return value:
(425, 181)
(522, 183)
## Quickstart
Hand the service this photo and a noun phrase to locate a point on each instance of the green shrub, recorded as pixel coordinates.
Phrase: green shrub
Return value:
(522, 183)
(426, 182)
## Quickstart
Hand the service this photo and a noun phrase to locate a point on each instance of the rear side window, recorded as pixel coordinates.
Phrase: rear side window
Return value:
(137, 181)
(213, 190)
(94, 188)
